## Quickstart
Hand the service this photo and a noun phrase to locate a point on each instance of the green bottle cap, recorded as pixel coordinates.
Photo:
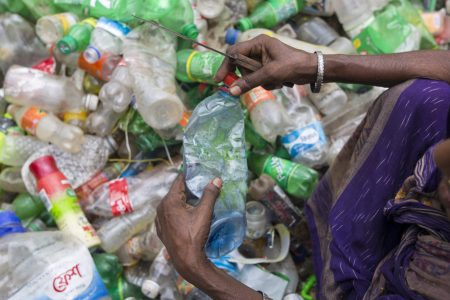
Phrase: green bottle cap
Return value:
(245, 24)
(190, 30)
(27, 206)
(67, 45)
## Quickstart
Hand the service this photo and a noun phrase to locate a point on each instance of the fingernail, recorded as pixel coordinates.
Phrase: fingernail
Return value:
(235, 90)
(217, 182)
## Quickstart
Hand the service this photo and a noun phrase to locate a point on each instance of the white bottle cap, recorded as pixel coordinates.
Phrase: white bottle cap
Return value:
(293, 296)
(150, 288)
(91, 102)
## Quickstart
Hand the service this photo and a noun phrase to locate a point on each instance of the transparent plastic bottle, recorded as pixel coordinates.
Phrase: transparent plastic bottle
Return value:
(70, 61)
(15, 149)
(330, 99)
(317, 31)
(51, 29)
(151, 59)
(48, 128)
(60, 200)
(103, 68)
(107, 37)
(30, 87)
(78, 37)
(102, 121)
(354, 15)
(268, 116)
(257, 220)
(125, 195)
(195, 66)
(37, 264)
(208, 153)
(117, 231)
(210, 9)
(11, 180)
(118, 93)
(160, 272)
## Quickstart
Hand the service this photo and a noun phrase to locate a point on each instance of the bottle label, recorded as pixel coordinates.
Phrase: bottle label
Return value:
(256, 96)
(285, 9)
(90, 21)
(119, 198)
(86, 189)
(115, 28)
(280, 169)
(47, 65)
(303, 140)
(75, 116)
(281, 206)
(185, 120)
(31, 118)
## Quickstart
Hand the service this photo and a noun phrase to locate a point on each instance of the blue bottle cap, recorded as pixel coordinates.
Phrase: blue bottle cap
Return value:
(10, 223)
(231, 36)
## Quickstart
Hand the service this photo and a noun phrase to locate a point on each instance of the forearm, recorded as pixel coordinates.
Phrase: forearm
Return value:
(219, 285)
(387, 70)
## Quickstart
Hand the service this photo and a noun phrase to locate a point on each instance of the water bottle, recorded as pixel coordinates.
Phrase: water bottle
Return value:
(268, 116)
(30, 87)
(257, 220)
(117, 231)
(317, 31)
(214, 146)
(78, 37)
(107, 37)
(51, 29)
(45, 264)
(70, 61)
(354, 15)
(270, 13)
(195, 66)
(102, 121)
(210, 9)
(103, 68)
(48, 128)
(296, 179)
(330, 99)
(15, 149)
(160, 271)
(151, 60)
(117, 93)
(60, 200)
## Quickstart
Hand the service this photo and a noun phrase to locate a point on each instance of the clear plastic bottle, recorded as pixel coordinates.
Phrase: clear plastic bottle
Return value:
(118, 93)
(38, 264)
(102, 121)
(70, 60)
(107, 37)
(268, 116)
(30, 87)
(151, 59)
(257, 220)
(125, 195)
(214, 146)
(48, 128)
(330, 99)
(354, 15)
(78, 37)
(117, 231)
(11, 180)
(210, 9)
(160, 271)
(103, 68)
(15, 149)
(51, 29)
(317, 31)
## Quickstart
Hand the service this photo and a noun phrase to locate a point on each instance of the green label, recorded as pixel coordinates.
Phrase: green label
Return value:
(64, 204)
(279, 169)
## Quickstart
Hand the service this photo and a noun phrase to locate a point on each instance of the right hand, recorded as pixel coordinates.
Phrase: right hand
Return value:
(281, 64)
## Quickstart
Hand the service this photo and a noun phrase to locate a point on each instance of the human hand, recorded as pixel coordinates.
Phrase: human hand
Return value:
(281, 64)
(183, 228)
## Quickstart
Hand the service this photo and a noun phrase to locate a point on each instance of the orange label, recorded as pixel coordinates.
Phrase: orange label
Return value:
(257, 96)
(31, 118)
(185, 120)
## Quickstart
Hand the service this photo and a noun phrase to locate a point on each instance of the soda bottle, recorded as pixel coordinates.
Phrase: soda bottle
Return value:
(296, 179)
(103, 68)
(270, 13)
(102, 121)
(60, 200)
(160, 271)
(117, 93)
(119, 10)
(257, 220)
(78, 37)
(125, 195)
(195, 66)
(15, 149)
(11, 180)
(27, 207)
(207, 154)
(330, 99)
(51, 29)
(107, 37)
(268, 117)
(151, 60)
(45, 264)
(30, 87)
(48, 128)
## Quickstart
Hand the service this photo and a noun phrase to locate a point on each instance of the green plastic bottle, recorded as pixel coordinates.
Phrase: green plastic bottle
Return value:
(296, 179)
(253, 138)
(17, 7)
(118, 10)
(111, 272)
(41, 8)
(195, 66)
(78, 37)
(27, 207)
(270, 13)
(181, 19)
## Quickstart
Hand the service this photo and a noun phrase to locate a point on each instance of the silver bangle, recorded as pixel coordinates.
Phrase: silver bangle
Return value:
(316, 86)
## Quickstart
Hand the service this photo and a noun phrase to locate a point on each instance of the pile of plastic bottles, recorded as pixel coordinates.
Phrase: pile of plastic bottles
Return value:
(100, 111)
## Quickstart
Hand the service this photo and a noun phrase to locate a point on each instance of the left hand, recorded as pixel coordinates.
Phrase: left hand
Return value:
(183, 228)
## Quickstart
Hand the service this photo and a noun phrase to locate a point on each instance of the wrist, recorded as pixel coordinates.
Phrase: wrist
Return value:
(192, 266)
(305, 67)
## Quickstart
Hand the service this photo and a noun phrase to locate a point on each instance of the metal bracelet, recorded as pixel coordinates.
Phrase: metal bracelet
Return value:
(316, 86)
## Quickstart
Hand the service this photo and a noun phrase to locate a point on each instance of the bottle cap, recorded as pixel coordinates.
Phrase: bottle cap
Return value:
(230, 79)
(231, 36)
(43, 166)
(91, 102)
(190, 30)
(67, 45)
(244, 24)
(9, 223)
(91, 54)
(150, 289)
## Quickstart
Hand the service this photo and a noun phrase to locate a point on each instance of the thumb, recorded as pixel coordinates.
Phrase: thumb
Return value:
(249, 81)
(210, 194)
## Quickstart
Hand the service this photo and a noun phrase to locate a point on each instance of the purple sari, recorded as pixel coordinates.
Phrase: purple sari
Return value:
(365, 238)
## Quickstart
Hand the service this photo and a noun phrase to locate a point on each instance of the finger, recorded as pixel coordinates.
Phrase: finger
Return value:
(177, 191)
(210, 194)
(226, 67)
(263, 76)
(271, 87)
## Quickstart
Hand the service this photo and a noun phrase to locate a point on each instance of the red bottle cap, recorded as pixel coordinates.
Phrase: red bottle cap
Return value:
(230, 79)
(43, 166)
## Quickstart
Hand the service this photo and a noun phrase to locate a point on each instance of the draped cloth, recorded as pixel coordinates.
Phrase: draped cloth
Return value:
(376, 231)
